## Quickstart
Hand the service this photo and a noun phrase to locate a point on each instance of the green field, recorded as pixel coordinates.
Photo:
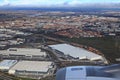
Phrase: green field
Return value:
(109, 46)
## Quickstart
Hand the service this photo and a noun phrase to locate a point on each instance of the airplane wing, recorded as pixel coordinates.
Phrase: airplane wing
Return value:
(113, 69)
(111, 72)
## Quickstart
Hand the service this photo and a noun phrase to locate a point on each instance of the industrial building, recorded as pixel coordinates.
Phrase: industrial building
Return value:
(32, 69)
(23, 54)
(5, 65)
(76, 52)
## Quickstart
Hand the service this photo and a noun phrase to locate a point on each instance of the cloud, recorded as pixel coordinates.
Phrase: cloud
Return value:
(38, 3)
(32, 2)
(5, 2)
(74, 3)
(59, 3)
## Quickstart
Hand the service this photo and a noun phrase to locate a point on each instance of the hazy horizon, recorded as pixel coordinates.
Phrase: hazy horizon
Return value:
(60, 3)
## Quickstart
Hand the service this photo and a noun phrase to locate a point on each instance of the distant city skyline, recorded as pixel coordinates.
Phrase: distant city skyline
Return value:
(57, 3)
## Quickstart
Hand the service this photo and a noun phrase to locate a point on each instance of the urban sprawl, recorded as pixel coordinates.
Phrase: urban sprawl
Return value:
(33, 45)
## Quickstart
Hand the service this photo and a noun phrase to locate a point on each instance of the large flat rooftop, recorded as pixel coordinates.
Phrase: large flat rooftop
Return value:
(75, 51)
(6, 64)
(33, 66)
(22, 51)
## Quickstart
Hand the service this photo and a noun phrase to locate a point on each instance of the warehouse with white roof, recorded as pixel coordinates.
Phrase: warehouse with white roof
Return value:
(33, 69)
(5, 65)
(76, 52)
(23, 53)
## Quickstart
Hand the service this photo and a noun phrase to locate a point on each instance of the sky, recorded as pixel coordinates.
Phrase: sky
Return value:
(54, 2)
